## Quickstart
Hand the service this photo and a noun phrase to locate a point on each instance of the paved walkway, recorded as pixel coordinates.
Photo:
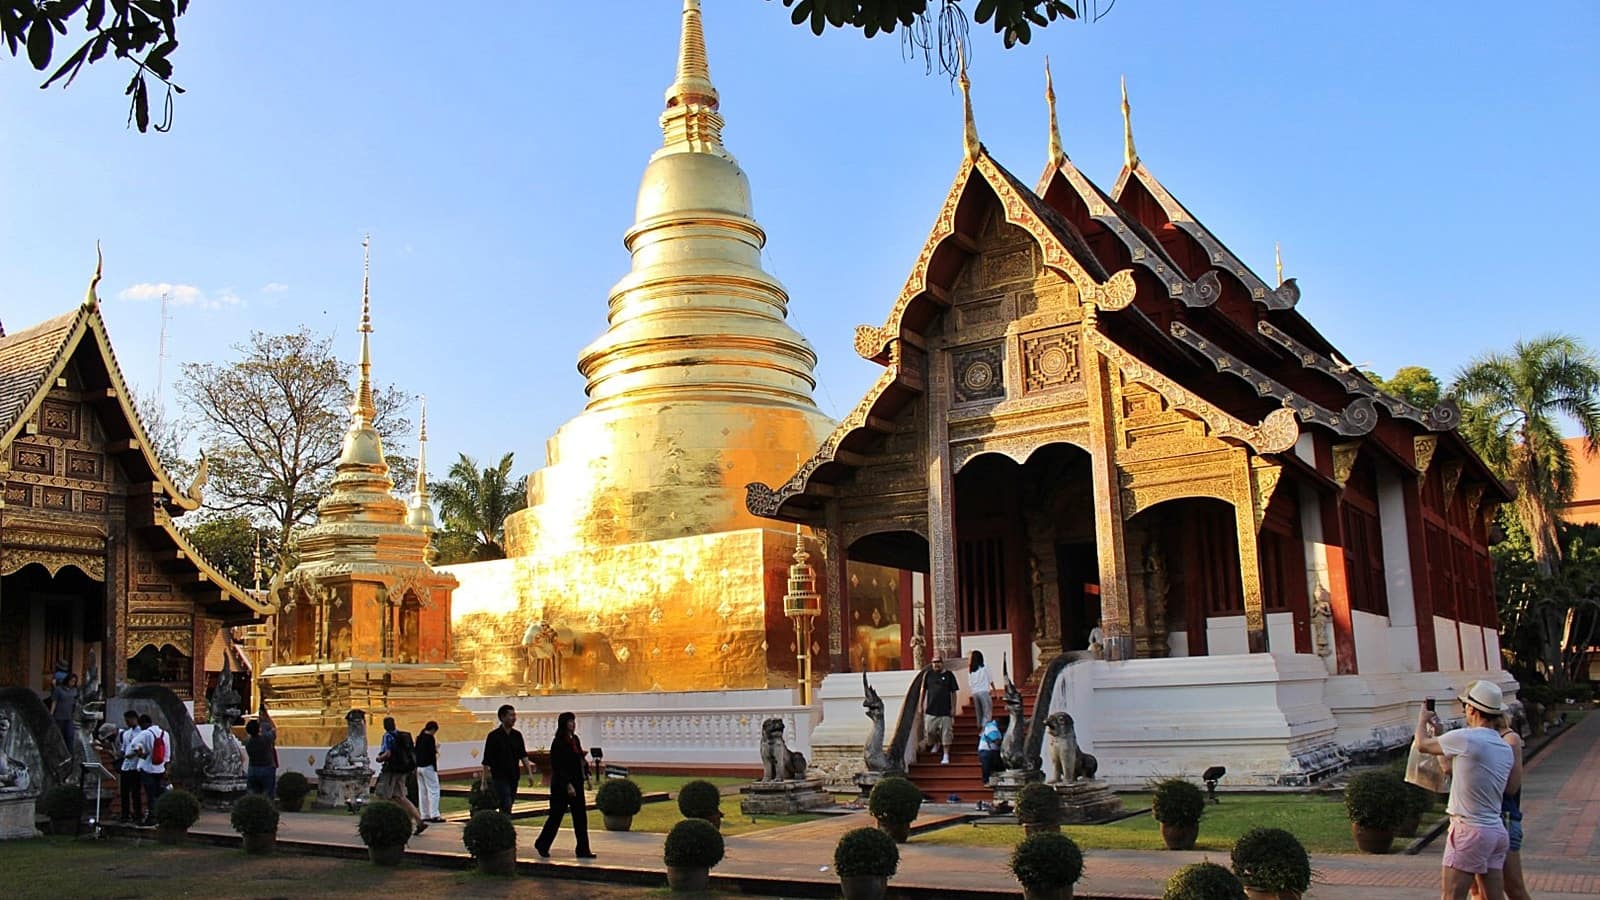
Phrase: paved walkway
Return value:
(1562, 854)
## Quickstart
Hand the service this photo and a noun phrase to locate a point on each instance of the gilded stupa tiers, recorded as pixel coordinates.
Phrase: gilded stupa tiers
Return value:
(699, 385)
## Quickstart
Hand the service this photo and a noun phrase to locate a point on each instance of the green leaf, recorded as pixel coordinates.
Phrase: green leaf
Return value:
(40, 42)
(73, 63)
(802, 12)
(984, 12)
(141, 106)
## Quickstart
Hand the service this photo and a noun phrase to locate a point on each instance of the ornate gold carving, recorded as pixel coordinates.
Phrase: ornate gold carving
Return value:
(84, 465)
(1117, 292)
(871, 341)
(1344, 459)
(1050, 360)
(13, 559)
(33, 458)
(979, 373)
(94, 503)
(1422, 450)
(1444, 416)
(59, 419)
(160, 620)
(983, 313)
(1357, 418)
(1472, 495)
(1451, 470)
(55, 498)
(19, 494)
(1264, 479)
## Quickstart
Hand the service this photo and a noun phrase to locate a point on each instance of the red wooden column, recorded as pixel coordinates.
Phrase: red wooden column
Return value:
(1344, 640)
(1421, 578)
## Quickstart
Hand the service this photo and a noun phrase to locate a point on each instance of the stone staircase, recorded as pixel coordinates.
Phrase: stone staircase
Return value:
(963, 776)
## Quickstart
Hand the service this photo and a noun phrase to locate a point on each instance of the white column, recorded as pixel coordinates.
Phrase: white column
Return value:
(1402, 644)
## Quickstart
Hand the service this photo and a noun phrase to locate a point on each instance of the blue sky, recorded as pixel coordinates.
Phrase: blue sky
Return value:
(1428, 170)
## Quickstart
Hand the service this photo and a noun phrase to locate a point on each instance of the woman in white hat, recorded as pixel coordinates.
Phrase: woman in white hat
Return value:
(1484, 768)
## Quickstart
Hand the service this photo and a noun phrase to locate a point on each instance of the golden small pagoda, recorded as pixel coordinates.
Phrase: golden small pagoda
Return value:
(364, 622)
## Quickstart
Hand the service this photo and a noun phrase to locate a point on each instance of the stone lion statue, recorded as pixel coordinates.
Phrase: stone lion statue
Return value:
(778, 762)
(350, 753)
(1071, 763)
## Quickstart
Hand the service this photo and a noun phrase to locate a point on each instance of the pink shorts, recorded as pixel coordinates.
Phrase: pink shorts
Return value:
(1476, 848)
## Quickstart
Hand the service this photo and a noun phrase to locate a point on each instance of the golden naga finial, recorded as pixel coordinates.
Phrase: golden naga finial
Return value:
(1057, 155)
(365, 410)
(91, 299)
(1130, 156)
(1277, 255)
(969, 137)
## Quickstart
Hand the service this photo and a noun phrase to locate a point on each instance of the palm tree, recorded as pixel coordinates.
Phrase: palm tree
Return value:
(1513, 405)
(476, 502)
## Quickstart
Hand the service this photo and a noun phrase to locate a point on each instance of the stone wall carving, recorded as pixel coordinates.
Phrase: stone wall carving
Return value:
(1050, 360)
(979, 373)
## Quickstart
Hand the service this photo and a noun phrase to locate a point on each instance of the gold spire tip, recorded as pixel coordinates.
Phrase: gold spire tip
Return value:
(969, 137)
(1277, 256)
(1130, 156)
(366, 283)
(1057, 155)
(694, 72)
(91, 299)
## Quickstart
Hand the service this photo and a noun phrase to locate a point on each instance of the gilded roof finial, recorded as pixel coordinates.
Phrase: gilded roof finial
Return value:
(420, 513)
(365, 410)
(691, 115)
(969, 136)
(1130, 156)
(1277, 255)
(90, 298)
(1057, 155)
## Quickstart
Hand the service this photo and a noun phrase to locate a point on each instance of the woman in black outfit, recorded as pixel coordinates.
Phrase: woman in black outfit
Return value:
(568, 773)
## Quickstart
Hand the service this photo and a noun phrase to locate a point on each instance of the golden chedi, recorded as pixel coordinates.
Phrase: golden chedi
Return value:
(364, 622)
(635, 565)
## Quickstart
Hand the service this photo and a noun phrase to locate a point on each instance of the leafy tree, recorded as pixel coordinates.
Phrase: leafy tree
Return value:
(229, 543)
(1513, 403)
(272, 424)
(1417, 385)
(1548, 622)
(474, 503)
(142, 31)
(451, 547)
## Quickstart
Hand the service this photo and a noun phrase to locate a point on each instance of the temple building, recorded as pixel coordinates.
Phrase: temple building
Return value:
(96, 574)
(363, 622)
(636, 566)
(1097, 430)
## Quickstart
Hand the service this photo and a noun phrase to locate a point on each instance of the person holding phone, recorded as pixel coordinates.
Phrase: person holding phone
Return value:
(568, 775)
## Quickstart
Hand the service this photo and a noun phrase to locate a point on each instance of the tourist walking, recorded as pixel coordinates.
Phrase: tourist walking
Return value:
(153, 748)
(569, 774)
(1484, 768)
(938, 704)
(989, 738)
(1511, 814)
(128, 769)
(64, 710)
(428, 773)
(398, 754)
(980, 684)
(261, 772)
(504, 757)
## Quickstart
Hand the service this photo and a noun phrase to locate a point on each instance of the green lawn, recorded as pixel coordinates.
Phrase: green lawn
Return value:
(1319, 821)
(646, 783)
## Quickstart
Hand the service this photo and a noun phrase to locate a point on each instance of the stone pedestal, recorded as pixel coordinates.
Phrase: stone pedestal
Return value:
(1008, 783)
(1086, 802)
(783, 798)
(219, 793)
(336, 787)
(16, 816)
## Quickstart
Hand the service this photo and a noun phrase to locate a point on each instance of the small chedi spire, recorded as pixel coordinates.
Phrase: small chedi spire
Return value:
(1130, 156)
(691, 116)
(365, 411)
(969, 136)
(1277, 256)
(419, 513)
(91, 299)
(1057, 155)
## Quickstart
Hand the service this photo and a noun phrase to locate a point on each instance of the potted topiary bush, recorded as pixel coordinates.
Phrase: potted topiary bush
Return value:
(492, 840)
(1271, 864)
(1039, 808)
(256, 819)
(479, 797)
(1376, 802)
(292, 791)
(1203, 881)
(385, 828)
(865, 858)
(692, 847)
(1418, 800)
(895, 802)
(619, 800)
(701, 800)
(1178, 806)
(63, 806)
(176, 811)
(1047, 865)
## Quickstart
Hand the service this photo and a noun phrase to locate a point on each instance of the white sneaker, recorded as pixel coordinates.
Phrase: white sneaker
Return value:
(945, 761)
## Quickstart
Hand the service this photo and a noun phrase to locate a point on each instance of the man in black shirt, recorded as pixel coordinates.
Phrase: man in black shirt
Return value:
(504, 756)
(939, 698)
(262, 775)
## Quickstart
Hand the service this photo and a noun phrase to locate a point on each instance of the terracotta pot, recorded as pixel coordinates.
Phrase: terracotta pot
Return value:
(1372, 840)
(1408, 826)
(503, 862)
(863, 887)
(260, 843)
(386, 856)
(1179, 837)
(618, 823)
(900, 831)
(688, 878)
(169, 835)
(64, 827)
(1033, 828)
(1050, 893)
(1258, 894)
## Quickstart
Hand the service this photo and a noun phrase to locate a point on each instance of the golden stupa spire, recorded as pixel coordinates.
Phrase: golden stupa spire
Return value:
(365, 410)
(1057, 155)
(91, 299)
(420, 510)
(691, 117)
(1130, 156)
(969, 134)
(1277, 255)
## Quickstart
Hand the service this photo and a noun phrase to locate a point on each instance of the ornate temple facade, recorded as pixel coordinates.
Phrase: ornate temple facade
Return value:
(96, 574)
(1092, 413)
(363, 621)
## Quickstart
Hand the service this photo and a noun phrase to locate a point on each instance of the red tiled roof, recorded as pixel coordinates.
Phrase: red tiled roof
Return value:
(1585, 505)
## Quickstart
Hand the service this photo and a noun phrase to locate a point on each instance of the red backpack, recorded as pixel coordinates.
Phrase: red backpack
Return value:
(158, 750)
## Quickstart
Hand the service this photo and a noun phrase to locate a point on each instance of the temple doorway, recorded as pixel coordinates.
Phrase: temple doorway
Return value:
(886, 584)
(49, 620)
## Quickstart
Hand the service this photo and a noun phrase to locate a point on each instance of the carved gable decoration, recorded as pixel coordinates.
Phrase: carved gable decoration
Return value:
(1050, 360)
(979, 373)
